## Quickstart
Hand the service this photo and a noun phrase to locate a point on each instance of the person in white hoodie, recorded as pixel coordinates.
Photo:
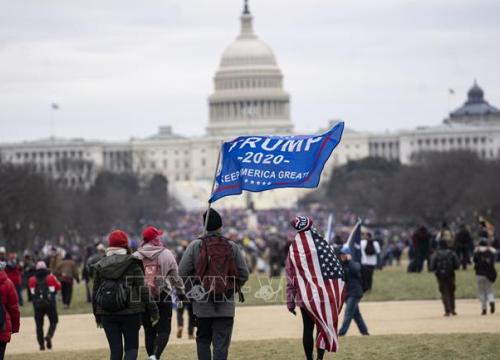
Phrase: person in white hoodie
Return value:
(161, 275)
(370, 249)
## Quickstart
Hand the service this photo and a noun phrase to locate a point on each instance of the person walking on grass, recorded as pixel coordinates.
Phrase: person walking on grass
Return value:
(486, 275)
(9, 310)
(444, 263)
(120, 297)
(370, 251)
(303, 276)
(352, 276)
(44, 287)
(464, 246)
(217, 270)
(161, 276)
(67, 273)
(14, 273)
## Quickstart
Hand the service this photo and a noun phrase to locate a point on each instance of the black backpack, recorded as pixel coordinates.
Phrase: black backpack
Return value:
(41, 298)
(2, 315)
(444, 266)
(113, 295)
(370, 248)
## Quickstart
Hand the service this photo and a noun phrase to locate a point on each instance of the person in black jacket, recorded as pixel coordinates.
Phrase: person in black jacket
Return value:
(352, 271)
(484, 266)
(444, 262)
(121, 268)
(464, 246)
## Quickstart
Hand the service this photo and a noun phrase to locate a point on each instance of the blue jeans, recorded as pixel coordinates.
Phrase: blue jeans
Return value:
(352, 312)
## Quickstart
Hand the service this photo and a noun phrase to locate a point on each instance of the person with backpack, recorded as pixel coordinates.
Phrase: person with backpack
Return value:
(120, 297)
(444, 262)
(218, 270)
(486, 274)
(161, 276)
(370, 250)
(44, 287)
(67, 272)
(88, 267)
(9, 310)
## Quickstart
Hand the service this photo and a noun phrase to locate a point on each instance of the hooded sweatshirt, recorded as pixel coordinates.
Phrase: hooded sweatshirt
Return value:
(10, 306)
(129, 269)
(166, 260)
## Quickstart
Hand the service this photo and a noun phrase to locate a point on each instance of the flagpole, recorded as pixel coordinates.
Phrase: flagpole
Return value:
(213, 187)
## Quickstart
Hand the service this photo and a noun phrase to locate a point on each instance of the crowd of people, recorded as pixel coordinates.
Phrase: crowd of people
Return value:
(132, 266)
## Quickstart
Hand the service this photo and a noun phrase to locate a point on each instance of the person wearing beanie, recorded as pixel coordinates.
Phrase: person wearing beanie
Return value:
(10, 308)
(14, 272)
(444, 262)
(44, 287)
(213, 286)
(120, 297)
(486, 274)
(321, 253)
(161, 277)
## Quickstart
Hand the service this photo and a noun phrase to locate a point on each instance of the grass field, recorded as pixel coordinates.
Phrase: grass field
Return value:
(409, 347)
(392, 283)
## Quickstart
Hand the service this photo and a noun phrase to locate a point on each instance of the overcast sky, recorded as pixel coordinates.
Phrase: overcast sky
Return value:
(119, 69)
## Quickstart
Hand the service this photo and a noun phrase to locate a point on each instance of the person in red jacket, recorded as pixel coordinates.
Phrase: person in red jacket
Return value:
(13, 271)
(44, 287)
(9, 311)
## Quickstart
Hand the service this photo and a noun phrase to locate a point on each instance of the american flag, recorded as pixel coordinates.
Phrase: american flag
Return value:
(318, 275)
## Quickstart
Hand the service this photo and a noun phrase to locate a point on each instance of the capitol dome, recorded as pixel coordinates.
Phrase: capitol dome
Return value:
(248, 95)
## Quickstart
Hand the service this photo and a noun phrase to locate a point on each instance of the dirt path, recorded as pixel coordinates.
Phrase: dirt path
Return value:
(78, 332)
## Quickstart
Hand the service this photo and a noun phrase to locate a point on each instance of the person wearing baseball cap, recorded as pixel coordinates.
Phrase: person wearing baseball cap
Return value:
(120, 297)
(162, 277)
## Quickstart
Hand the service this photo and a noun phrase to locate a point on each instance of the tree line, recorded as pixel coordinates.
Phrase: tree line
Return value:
(437, 186)
(35, 209)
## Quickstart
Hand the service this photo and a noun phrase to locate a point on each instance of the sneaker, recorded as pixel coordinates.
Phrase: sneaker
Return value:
(453, 313)
(42, 347)
(191, 337)
(179, 333)
(152, 357)
(483, 312)
(492, 307)
(48, 341)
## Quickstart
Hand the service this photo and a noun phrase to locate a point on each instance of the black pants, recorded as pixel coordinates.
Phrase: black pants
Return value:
(447, 290)
(51, 312)
(463, 254)
(216, 332)
(367, 276)
(3, 345)
(66, 292)
(308, 336)
(180, 317)
(120, 329)
(156, 337)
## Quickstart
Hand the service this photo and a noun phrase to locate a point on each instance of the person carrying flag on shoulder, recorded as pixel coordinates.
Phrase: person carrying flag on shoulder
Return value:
(161, 275)
(315, 284)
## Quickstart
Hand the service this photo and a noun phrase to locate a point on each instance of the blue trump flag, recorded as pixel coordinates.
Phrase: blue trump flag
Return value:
(260, 163)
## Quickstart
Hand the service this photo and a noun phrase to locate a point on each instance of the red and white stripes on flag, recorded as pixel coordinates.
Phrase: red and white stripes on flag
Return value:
(318, 275)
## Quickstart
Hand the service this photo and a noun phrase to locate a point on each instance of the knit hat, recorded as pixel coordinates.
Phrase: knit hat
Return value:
(301, 223)
(151, 233)
(346, 250)
(118, 239)
(41, 265)
(214, 220)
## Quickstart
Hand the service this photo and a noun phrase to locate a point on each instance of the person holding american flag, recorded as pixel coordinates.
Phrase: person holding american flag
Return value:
(315, 284)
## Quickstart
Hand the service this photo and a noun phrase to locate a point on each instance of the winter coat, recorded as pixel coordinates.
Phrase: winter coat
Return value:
(52, 283)
(352, 273)
(442, 253)
(126, 267)
(484, 260)
(10, 305)
(208, 309)
(13, 271)
(168, 266)
(67, 270)
(463, 240)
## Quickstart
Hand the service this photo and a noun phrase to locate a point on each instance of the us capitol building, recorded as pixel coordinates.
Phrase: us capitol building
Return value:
(248, 98)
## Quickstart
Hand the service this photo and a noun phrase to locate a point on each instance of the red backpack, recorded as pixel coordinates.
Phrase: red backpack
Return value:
(152, 275)
(216, 267)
